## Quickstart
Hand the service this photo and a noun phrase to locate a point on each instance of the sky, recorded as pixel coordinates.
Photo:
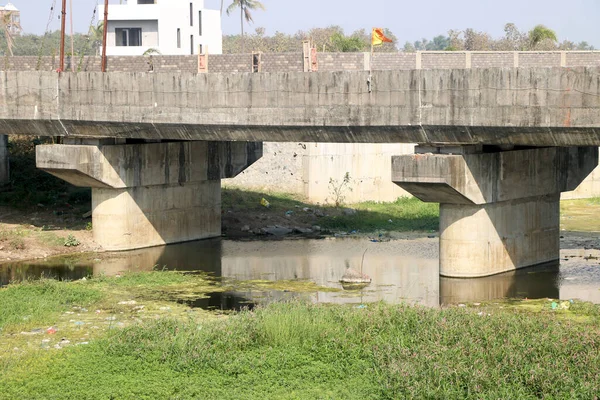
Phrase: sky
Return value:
(575, 20)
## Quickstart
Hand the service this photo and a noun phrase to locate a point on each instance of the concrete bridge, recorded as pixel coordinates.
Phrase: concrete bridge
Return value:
(497, 146)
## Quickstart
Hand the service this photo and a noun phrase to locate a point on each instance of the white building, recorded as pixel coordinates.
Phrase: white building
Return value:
(173, 27)
(12, 17)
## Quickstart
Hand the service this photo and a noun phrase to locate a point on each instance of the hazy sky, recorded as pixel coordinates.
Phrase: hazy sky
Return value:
(575, 20)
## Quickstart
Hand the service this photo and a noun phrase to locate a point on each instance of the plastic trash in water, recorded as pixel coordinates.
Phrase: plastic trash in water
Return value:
(265, 203)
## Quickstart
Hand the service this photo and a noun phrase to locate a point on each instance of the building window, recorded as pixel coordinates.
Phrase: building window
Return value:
(200, 49)
(178, 38)
(128, 36)
(191, 44)
(191, 14)
(146, 2)
(200, 23)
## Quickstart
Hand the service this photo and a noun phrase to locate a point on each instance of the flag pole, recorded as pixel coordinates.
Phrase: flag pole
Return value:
(370, 63)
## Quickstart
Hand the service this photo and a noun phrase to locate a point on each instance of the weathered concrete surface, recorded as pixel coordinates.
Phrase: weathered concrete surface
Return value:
(307, 168)
(493, 177)
(518, 106)
(146, 216)
(285, 167)
(147, 195)
(124, 166)
(498, 211)
(4, 161)
(482, 240)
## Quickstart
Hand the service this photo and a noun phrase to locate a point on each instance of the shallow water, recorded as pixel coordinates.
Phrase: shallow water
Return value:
(401, 270)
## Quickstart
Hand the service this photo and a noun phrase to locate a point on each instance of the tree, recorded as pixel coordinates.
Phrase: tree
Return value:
(9, 26)
(541, 33)
(96, 36)
(409, 48)
(245, 6)
(342, 43)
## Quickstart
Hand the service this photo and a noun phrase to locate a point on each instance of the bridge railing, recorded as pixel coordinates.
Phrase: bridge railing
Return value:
(294, 62)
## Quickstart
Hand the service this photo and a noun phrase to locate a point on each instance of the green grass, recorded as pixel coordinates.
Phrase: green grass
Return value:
(580, 215)
(36, 304)
(406, 214)
(303, 351)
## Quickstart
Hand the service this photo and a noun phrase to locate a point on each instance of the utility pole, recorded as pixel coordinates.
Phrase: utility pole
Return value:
(72, 40)
(104, 32)
(62, 35)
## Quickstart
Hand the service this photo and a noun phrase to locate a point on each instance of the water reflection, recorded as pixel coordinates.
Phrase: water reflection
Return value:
(533, 283)
(404, 270)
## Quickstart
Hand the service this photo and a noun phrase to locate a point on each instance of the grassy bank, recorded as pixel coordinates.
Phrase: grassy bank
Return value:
(580, 215)
(291, 350)
(405, 214)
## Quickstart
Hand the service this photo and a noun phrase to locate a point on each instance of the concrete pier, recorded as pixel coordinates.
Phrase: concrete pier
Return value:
(152, 194)
(499, 211)
(4, 162)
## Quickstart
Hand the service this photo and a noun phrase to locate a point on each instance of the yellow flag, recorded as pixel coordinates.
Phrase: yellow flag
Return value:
(378, 37)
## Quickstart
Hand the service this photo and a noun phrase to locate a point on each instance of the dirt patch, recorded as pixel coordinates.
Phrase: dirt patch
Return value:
(40, 233)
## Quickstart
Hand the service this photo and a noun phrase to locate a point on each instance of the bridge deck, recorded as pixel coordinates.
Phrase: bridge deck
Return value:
(519, 106)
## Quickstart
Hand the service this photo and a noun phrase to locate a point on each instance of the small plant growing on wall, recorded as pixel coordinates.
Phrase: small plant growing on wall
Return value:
(339, 189)
(149, 53)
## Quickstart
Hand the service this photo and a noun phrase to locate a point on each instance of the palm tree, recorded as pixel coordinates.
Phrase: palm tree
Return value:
(9, 26)
(540, 33)
(245, 6)
(96, 35)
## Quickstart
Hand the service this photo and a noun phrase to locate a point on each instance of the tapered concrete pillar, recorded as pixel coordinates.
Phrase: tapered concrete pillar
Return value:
(147, 195)
(499, 211)
(4, 162)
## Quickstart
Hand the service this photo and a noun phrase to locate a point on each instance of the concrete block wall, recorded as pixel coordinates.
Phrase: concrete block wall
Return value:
(531, 60)
(281, 62)
(492, 60)
(229, 63)
(393, 61)
(578, 59)
(443, 60)
(293, 62)
(341, 61)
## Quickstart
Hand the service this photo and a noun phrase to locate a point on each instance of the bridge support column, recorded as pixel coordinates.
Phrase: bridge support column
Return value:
(500, 210)
(4, 161)
(147, 195)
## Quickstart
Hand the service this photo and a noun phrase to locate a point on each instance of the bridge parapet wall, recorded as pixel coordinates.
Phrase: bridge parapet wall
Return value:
(328, 62)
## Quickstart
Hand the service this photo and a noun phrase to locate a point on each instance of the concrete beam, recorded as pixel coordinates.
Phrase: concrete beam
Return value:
(4, 161)
(124, 166)
(147, 195)
(511, 106)
(498, 211)
(493, 177)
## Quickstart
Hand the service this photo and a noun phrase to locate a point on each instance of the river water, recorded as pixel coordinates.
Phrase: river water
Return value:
(401, 270)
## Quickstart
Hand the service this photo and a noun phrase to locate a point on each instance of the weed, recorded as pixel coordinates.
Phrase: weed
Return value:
(338, 189)
(51, 238)
(299, 350)
(71, 241)
(17, 244)
(89, 227)
(31, 303)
